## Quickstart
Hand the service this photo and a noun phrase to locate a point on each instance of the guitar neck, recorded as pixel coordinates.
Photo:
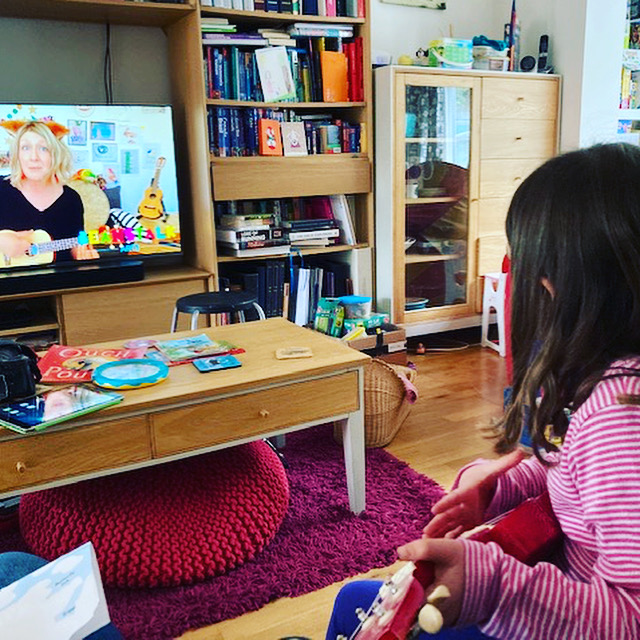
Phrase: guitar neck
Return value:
(53, 245)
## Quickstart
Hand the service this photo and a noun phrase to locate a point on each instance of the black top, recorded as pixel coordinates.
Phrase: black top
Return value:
(63, 219)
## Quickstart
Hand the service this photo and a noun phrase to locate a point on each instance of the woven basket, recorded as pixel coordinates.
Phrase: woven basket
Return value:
(385, 402)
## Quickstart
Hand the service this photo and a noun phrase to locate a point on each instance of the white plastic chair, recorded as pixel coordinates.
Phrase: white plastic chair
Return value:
(493, 298)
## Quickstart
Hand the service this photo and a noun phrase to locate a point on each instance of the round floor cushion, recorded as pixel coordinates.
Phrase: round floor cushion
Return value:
(171, 524)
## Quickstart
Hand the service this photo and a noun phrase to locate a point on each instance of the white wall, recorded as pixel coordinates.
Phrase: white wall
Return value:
(398, 29)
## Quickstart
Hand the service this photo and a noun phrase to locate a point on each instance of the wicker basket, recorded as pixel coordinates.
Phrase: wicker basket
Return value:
(385, 402)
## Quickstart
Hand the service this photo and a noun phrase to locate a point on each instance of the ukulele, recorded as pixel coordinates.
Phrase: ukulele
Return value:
(529, 533)
(151, 206)
(41, 251)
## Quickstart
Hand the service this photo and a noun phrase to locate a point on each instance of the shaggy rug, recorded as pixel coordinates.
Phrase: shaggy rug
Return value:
(319, 542)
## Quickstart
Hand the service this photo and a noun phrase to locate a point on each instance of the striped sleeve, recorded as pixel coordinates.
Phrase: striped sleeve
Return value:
(526, 480)
(604, 464)
(509, 599)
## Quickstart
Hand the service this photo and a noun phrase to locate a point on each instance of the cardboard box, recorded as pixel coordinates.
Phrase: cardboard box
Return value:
(390, 346)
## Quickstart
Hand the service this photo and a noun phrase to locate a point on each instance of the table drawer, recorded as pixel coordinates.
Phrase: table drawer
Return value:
(500, 178)
(517, 139)
(521, 99)
(32, 460)
(245, 416)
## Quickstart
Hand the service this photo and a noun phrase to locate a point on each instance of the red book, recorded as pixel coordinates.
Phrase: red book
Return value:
(349, 50)
(359, 89)
(76, 364)
(270, 138)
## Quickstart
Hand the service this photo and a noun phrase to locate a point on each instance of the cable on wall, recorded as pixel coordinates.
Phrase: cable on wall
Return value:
(107, 71)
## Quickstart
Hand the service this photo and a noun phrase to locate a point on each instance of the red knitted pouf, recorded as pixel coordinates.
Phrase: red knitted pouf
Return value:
(171, 524)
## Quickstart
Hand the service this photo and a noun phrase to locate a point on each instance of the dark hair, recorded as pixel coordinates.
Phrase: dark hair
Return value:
(576, 222)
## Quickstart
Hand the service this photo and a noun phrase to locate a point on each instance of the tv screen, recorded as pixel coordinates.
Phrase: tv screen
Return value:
(87, 182)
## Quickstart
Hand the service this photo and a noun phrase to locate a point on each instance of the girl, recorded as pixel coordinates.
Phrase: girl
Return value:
(574, 233)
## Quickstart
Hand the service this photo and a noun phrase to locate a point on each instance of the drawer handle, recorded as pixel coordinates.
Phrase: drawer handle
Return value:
(518, 137)
(517, 179)
(264, 413)
(21, 467)
(520, 98)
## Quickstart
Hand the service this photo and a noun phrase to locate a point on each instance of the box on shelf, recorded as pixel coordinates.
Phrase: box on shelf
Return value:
(390, 346)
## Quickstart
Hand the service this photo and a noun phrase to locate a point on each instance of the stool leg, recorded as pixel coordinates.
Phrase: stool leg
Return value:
(174, 320)
(486, 310)
(258, 308)
(194, 320)
(240, 316)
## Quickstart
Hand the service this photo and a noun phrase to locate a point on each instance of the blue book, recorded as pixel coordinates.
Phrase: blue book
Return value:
(310, 7)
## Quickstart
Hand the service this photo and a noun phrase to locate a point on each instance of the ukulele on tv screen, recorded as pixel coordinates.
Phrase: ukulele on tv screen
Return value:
(151, 206)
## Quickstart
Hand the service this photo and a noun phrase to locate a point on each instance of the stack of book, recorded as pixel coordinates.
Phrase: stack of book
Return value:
(250, 235)
(217, 25)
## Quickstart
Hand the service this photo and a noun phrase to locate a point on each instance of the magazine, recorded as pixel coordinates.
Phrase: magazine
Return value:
(76, 364)
(187, 349)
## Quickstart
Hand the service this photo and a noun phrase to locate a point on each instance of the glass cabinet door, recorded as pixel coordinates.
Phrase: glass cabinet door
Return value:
(436, 201)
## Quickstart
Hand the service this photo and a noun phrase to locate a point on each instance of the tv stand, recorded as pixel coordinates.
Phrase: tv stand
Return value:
(73, 275)
(97, 309)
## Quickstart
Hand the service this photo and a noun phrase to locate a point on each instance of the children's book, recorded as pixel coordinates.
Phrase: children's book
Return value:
(335, 87)
(64, 600)
(187, 349)
(275, 74)
(76, 364)
(270, 138)
(53, 406)
(294, 139)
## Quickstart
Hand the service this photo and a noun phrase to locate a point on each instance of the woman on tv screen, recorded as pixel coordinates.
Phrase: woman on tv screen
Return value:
(37, 208)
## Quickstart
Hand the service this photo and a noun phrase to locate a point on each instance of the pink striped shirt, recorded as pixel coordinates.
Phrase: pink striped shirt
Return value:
(592, 591)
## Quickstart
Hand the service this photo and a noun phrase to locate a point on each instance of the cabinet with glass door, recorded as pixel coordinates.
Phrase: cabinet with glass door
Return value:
(426, 219)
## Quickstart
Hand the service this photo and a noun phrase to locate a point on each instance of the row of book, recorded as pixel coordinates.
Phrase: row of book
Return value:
(289, 287)
(238, 132)
(630, 85)
(316, 69)
(331, 8)
(318, 221)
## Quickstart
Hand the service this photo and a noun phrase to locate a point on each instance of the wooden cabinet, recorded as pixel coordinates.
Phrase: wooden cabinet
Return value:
(451, 149)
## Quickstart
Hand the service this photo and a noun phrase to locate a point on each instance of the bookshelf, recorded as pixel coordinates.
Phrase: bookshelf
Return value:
(86, 314)
(260, 177)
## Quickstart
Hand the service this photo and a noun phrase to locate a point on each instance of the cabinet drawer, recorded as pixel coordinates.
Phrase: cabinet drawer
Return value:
(32, 460)
(500, 178)
(523, 99)
(517, 139)
(491, 252)
(492, 214)
(244, 416)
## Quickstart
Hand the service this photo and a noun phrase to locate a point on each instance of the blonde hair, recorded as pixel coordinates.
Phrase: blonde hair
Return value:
(61, 160)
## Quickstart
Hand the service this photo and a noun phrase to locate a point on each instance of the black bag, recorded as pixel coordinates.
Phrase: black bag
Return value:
(19, 372)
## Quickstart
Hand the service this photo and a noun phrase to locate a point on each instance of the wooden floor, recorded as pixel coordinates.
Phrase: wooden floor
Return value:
(459, 392)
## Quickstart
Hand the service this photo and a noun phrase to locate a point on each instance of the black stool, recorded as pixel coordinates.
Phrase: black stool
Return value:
(214, 302)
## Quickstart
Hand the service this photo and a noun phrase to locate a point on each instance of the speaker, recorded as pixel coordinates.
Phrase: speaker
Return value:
(543, 51)
(528, 63)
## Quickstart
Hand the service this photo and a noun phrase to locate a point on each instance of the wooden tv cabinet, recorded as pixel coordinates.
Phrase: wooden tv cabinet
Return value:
(104, 312)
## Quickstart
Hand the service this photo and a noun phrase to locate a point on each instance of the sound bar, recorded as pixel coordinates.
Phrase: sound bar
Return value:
(69, 276)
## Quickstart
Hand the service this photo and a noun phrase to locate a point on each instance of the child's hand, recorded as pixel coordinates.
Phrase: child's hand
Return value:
(447, 556)
(464, 507)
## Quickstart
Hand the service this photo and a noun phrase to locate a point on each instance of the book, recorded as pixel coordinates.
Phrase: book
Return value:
(312, 234)
(53, 406)
(239, 235)
(270, 141)
(66, 595)
(333, 65)
(251, 244)
(275, 74)
(294, 141)
(342, 213)
(259, 251)
(76, 364)
(186, 349)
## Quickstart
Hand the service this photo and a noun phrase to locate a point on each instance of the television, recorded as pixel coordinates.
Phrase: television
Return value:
(123, 173)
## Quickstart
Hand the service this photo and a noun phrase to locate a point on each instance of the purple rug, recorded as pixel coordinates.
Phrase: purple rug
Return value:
(320, 542)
